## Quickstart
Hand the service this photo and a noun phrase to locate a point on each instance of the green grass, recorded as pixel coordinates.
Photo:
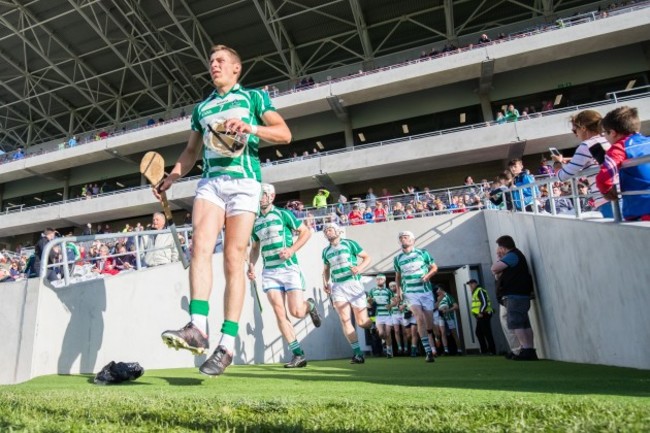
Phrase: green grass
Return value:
(402, 394)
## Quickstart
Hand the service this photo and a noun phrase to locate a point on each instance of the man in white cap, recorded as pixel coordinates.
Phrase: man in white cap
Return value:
(414, 268)
(341, 260)
(282, 280)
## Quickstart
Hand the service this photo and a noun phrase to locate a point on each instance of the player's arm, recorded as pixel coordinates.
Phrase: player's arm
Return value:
(365, 262)
(274, 130)
(185, 161)
(326, 279)
(303, 236)
(398, 281)
(433, 268)
(252, 259)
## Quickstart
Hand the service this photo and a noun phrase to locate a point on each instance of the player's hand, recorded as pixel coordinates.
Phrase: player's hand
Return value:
(251, 272)
(285, 253)
(164, 185)
(328, 288)
(237, 126)
(354, 270)
(425, 278)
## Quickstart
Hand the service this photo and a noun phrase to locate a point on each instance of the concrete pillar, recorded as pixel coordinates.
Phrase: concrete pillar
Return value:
(349, 136)
(486, 108)
(66, 188)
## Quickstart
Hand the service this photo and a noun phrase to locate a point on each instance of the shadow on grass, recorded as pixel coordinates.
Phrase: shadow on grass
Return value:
(182, 381)
(480, 373)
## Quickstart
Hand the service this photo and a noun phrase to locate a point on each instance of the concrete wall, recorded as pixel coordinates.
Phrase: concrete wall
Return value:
(80, 328)
(592, 286)
(591, 307)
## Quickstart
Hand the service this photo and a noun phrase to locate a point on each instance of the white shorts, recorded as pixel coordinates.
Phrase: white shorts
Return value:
(440, 321)
(235, 196)
(350, 291)
(423, 300)
(398, 319)
(384, 320)
(437, 319)
(451, 323)
(285, 279)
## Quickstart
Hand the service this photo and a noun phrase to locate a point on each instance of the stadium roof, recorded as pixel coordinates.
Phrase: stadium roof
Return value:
(72, 66)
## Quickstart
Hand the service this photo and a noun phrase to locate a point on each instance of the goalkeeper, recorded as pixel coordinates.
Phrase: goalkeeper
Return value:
(226, 129)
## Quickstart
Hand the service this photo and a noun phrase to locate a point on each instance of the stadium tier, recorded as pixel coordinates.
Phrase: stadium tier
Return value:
(40, 190)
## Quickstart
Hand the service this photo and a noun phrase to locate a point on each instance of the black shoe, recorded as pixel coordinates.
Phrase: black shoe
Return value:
(526, 355)
(357, 359)
(510, 355)
(414, 352)
(217, 362)
(430, 357)
(389, 354)
(313, 313)
(189, 337)
(298, 361)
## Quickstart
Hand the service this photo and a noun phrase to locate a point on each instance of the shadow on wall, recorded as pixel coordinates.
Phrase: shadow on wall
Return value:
(84, 333)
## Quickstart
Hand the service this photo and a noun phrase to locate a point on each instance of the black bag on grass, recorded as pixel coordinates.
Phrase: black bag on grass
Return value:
(117, 372)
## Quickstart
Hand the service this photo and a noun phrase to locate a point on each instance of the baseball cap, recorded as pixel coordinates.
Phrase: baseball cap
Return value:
(472, 281)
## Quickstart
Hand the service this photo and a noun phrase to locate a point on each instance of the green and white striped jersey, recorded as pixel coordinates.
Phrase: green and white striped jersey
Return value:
(274, 232)
(382, 297)
(412, 267)
(341, 258)
(447, 301)
(246, 104)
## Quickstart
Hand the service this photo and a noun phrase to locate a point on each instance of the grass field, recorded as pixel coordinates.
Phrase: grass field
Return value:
(457, 394)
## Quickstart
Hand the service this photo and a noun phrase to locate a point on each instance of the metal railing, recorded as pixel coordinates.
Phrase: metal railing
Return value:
(614, 96)
(67, 269)
(549, 181)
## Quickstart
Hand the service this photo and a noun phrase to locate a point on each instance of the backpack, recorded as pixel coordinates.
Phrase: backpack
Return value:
(636, 178)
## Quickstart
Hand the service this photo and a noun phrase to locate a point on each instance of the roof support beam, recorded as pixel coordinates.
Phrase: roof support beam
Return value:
(79, 63)
(360, 21)
(102, 34)
(278, 35)
(449, 20)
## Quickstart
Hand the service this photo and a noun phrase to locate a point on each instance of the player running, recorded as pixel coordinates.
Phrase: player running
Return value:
(341, 259)
(383, 298)
(414, 268)
(282, 279)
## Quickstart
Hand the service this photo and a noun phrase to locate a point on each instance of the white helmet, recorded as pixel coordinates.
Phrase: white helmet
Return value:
(268, 189)
(406, 233)
(267, 196)
(334, 226)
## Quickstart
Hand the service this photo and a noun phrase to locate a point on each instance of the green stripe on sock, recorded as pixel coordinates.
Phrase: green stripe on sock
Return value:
(295, 348)
(356, 348)
(425, 344)
(199, 307)
(230, 328)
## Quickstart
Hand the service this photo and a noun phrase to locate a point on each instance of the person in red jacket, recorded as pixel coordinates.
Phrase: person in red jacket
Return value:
(105, 264)
(356, 216)
(622, 126)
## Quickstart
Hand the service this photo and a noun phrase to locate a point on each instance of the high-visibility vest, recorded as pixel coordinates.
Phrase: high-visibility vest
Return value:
(476, 301)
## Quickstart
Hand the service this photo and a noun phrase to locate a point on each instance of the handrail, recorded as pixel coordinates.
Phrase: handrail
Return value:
(65, 263)
(575, 197)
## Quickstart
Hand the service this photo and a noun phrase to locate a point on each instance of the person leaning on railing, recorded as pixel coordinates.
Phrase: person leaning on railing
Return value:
(591, 152)
(621, 128)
